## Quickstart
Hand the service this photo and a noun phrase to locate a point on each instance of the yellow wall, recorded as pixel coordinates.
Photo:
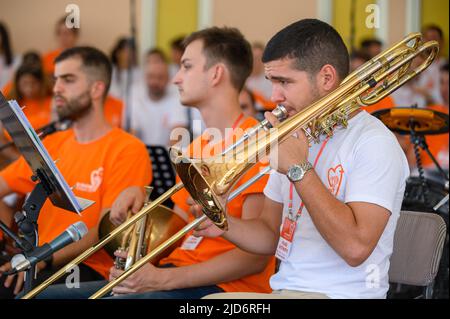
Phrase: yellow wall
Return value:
(259, 20)
(341, 20)
(175, 18)
(436, 12)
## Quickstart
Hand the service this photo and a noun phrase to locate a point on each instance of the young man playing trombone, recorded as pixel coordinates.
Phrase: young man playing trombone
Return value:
(331, 208)
(214, 67)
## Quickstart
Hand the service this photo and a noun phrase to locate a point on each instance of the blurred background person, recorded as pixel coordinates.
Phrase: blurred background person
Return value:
(66, 38)
(176, 52)
(371, 47)
(257, 82)
(8, 62)
(438, 144)
(125, 68)
(154, 109)
(194, 120)
(32, 91)
(357, 58)
(155, 55)
(429, 82)
(247, 103)
(413, 93)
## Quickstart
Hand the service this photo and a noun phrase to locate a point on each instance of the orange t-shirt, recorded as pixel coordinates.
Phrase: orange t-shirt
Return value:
(48, 61)
(268, 105)
(37, 112)
(113, 111)
(7, 88)
(386, 103)
(438, 144)
(98, 171)
(211, 247)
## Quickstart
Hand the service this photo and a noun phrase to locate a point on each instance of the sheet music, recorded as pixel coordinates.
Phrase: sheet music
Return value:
(37, 157)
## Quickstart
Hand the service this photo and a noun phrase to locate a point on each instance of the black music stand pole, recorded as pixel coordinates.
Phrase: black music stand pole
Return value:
(27, 220)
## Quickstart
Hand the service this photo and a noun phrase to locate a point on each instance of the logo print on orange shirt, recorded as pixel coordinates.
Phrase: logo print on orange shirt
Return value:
(96, 181)
(335, 179)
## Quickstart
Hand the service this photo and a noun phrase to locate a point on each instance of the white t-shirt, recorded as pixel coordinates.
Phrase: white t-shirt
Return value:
(119, 82)
(361, 163)
(153, 121)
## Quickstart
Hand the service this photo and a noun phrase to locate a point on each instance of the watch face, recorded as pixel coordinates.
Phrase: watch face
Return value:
(296, 173)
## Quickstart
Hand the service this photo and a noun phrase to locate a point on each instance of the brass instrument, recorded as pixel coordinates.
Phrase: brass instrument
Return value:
(144, 236)
(280, 112)
(210, 181)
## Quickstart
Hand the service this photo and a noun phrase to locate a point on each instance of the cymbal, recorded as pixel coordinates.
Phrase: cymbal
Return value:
(422, 121)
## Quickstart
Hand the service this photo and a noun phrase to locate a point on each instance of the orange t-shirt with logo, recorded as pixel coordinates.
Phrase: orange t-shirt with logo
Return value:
(98, 171)
(438, 144)
(211, 247)
(113, 111)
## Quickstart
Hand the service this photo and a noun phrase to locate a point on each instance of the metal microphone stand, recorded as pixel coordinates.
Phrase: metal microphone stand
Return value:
(27, 223)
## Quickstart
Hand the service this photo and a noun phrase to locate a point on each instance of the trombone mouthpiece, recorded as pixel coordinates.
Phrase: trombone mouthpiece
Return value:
(280, 113)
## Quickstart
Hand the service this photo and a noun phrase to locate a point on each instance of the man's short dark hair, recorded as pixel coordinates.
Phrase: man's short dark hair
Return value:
(366, 43)
(312, 44)
(229, 46)
(94, 62)
(177, 43)
(157, 52)
(357, 54)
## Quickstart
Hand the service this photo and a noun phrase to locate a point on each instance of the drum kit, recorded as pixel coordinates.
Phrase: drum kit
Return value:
(425, 193)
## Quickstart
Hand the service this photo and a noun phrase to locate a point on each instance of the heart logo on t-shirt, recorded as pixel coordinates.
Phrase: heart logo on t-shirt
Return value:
(335, 176)
(96, 181)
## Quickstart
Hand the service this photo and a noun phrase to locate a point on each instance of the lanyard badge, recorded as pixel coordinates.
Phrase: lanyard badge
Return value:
(191, 243)
(286, 238)
(290, 222)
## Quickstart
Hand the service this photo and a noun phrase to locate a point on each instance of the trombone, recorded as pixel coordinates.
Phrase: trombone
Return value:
(280, 112)
(210, 181)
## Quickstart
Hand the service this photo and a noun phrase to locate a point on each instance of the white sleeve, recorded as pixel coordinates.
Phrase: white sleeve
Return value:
(273, 188)
(378, 172)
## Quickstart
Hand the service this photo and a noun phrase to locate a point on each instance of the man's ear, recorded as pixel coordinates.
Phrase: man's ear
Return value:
(98, 89)
(327, 78)
(218, 72)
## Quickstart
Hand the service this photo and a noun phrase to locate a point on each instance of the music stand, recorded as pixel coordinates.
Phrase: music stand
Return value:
(50, 182)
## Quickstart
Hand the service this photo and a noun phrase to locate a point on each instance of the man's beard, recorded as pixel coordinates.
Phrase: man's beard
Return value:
(156, 93)
(75, 108)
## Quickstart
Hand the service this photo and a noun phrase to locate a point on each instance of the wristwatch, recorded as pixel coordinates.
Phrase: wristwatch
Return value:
(296, 172)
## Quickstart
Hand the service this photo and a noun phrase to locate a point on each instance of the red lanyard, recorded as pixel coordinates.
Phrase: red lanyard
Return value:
(291, 189)
(233, 128)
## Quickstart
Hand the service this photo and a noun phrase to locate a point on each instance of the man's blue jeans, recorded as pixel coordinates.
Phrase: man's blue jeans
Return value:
(87, 289)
